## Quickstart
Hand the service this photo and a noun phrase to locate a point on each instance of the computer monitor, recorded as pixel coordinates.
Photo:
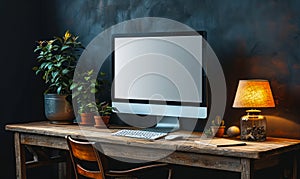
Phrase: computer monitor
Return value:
(160, 74)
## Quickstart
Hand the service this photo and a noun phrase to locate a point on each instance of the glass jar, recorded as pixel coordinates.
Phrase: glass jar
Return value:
(253, 126)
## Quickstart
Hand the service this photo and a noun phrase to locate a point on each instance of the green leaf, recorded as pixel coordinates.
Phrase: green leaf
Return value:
(90, 72)
(73, 86)
(80, 88)
(75, 94)
(94, 82)
(43, 65)
(58, 57)
(49, 65)
(59, 64)
(94, 90)
(87, 78)
(64, 47)
(59, 90)
(54, 74)
(37, 72)
(37, 49)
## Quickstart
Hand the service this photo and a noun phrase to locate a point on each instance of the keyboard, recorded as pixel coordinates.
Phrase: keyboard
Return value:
(141, 134)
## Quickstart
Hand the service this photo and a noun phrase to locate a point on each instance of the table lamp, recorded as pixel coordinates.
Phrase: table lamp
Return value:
(253, 94)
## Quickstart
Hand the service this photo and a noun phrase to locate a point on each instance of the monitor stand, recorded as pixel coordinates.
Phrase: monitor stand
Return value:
(167, 123)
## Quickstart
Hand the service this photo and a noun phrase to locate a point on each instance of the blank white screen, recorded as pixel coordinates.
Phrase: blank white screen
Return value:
(165, 68)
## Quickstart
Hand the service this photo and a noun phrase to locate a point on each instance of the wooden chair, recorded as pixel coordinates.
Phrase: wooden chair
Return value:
(83, 154)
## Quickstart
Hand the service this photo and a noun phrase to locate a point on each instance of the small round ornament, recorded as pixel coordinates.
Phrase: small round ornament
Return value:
(233, 131)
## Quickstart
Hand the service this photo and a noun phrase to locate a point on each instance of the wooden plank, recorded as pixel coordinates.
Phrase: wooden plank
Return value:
(131, 153)
(33, 164)
(62, 171)
(45, 128)
(44, 141)
(295, 165)
(137, 154)
(20, 157)
(254, 150)
(247, 170)
(204, 161)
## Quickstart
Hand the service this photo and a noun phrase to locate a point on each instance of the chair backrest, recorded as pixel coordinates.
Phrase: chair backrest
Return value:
(85, 159)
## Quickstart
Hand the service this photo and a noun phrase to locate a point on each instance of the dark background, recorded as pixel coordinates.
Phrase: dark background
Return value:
(252, 39)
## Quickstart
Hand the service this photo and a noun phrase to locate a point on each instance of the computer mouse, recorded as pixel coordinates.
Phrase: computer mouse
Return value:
(173, 137)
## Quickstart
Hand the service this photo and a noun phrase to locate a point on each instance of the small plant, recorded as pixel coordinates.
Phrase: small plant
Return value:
(218, 121)
(105, 109)
(84, 90)
(57, 60)
(217, 127)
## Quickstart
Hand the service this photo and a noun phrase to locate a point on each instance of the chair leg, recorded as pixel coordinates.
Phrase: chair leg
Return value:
(170, 173)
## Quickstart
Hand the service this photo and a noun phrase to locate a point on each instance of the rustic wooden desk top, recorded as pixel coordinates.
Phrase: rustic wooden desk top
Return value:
(253, 150)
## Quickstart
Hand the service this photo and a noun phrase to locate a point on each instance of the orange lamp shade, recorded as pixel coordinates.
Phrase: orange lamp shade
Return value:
(253, 94)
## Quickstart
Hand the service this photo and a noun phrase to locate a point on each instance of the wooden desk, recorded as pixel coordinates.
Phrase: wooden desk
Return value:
(244, 159)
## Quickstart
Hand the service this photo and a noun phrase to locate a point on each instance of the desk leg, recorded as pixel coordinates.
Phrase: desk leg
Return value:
(295, 166)
(20, 158)
(69, 166)
(65, 168)
(247, 169)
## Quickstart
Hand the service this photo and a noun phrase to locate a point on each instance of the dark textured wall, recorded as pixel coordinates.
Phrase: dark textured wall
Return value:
(20, 90)
(252, 39)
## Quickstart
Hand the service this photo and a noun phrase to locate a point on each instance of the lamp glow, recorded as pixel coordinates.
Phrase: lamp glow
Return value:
(253, 94)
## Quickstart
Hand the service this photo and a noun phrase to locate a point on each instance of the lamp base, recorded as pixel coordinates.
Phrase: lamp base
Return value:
(253, 126)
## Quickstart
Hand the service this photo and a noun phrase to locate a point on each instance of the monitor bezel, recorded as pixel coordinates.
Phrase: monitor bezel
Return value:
(204, 102)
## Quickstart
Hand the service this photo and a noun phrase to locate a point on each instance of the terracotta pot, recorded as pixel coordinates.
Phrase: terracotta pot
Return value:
(87, 119)
(101, 121)
(218, 130)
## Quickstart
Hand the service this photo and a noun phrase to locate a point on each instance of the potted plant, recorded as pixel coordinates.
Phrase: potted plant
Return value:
(84, 89)
(217, 127)
(103, 116)
(86, 112)
(57, 60)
